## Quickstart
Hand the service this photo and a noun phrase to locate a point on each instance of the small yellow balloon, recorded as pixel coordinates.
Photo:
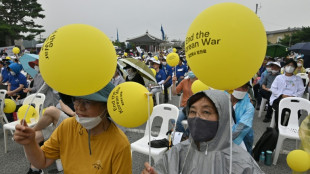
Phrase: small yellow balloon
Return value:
(32, 113)
(174, 50)
(9, 106)
(128, 104)
(125, 54)
(16, 50)
(229, 37)
(8, 58)
(154, 71)
(173, 59)
(198, 86)
(64, 54)
(298, 160)
(155, 57)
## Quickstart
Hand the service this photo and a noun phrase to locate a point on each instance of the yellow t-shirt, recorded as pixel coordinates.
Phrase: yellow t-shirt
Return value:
(69, 142)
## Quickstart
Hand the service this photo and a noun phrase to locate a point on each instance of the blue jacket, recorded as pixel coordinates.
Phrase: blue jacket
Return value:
(168, 71)
(18, 78)
(242, 130)
(5, 75)
(180, 70)
(160, 75)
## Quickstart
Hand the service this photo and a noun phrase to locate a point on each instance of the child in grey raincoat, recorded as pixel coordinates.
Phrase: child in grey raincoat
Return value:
(208, 148)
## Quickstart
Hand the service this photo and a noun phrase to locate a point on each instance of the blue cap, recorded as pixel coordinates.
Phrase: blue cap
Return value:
(101, 96)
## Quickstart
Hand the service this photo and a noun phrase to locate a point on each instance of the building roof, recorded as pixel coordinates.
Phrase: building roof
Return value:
(283, 31)
(145, 39)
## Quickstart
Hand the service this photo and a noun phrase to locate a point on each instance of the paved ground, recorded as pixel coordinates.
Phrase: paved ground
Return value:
(15, 162)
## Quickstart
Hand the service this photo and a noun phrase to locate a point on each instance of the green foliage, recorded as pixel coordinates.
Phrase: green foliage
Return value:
(17, 19)
(302, 35)
(121, 45)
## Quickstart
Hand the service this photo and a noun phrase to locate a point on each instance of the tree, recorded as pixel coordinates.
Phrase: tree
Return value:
(302, 35)
(17, 20)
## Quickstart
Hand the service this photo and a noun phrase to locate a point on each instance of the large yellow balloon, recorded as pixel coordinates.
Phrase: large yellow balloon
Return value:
(16, 50)
(65, 53)
(128, 104)
(154, 71)
(226, 45)
(173, 59)
(32, 113)
(9, 106)
(198, 86)
(298, 160)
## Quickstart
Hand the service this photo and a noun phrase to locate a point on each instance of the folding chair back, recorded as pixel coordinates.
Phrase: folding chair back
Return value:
(38, 101)
(2, 98)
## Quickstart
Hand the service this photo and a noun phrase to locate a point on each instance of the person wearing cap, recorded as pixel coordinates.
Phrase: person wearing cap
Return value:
(286, 85)
(207, 151)
(300, 67)
(266, 85)
(168, 71)
(87, 143)
(133, 75)
(243, 114)
(180, 71)
(118, 77)
(160, 76)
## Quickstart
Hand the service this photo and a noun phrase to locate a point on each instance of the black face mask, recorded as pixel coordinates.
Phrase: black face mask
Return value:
(202, 130)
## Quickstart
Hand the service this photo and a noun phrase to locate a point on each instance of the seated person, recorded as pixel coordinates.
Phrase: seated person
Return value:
(266, 85)
(118, 77)
(133, 75)
(180, 71)
(208, 148)
(167, 83)
(186, 87)
(285, 85)
(300, 67)
(86, 143)
(160, 76)
(243, 113)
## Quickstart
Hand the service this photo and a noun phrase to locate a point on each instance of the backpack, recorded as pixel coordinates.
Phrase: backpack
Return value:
(268, 141)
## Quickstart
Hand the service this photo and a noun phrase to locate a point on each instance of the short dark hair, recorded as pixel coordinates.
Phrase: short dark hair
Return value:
(291, 61)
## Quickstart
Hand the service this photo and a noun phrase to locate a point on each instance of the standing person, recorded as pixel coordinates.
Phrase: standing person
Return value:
(285, 85)
(86, 143)
(167, 83)
(207, 151)
(243, 113)
(133, 75)
(266, 85)
(180, 71)
(186, 87)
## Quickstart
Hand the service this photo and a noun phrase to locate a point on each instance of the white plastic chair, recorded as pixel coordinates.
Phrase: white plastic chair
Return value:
(304, 76)
(166, 112)
(169, 92)
(291, 130)
(38, 102)
(2, 115)
(262, 107)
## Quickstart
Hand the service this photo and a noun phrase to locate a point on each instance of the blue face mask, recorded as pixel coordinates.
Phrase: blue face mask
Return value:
(191, 74)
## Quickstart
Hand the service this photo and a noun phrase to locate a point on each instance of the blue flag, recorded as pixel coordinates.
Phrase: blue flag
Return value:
(162, 32)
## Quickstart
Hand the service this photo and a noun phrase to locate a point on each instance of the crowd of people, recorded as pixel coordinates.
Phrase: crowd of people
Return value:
(79, 131)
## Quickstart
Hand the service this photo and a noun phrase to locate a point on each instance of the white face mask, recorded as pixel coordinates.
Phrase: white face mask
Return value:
(268, 69)
(274, 71)
(299, 64)
(89, 122)
(12, 73)
(289, 69)
(164, 63)
(36, 68)
(239, 94)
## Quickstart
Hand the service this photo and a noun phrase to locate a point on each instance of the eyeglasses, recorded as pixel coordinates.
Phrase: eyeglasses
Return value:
(86, 103)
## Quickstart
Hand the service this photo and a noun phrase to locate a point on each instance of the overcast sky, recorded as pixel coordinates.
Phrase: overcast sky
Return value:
(134, 17)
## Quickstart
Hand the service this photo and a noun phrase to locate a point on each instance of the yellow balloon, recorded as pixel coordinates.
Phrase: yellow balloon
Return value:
(155, 57)
(173, 59)
(125, 54)
(8, 58)
(32, 113)
(64, 54)
(174, 50)
(128, 104)
(9, 106)
(154, 71)
(198, 86)
(298, 160)
(16, 50)
(226, 45)
(304, 134)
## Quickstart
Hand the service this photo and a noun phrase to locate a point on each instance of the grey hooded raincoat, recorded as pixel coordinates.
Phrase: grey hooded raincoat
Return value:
(213, 157)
